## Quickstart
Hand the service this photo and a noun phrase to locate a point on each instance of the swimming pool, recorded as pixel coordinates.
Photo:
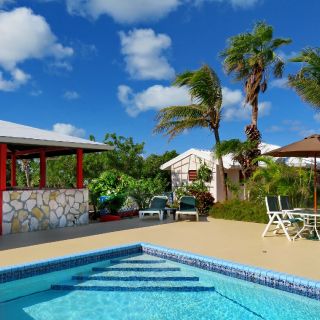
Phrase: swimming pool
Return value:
(143, 281)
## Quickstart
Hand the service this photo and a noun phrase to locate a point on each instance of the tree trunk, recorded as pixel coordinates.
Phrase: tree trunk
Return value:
(221, 167)
(254, 115)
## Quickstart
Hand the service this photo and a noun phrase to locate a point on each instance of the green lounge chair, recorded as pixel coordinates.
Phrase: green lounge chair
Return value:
(187, 206)
(157, 206)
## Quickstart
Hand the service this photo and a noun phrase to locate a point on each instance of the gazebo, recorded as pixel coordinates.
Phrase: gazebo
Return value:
(30, 209)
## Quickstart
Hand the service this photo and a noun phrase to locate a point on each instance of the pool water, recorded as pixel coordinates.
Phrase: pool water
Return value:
(146, 287)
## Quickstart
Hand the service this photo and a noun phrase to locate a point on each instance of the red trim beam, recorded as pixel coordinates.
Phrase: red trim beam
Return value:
(43, 169)
(79, 168)
(3, 177)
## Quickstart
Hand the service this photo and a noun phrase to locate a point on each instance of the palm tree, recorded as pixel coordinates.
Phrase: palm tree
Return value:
(307, 81)
(204, 110)
(251, 57)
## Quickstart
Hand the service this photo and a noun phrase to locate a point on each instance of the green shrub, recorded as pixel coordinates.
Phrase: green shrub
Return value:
(240, 210)
(114, 202)
(109, 183)
(143, 190)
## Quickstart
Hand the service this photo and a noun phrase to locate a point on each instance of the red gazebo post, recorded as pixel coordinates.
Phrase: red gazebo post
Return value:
(79, 168)
(13, 170)
(43, 169)
(3, 177)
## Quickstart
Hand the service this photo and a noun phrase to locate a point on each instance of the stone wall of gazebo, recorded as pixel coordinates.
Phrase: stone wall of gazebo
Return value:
(32, 210)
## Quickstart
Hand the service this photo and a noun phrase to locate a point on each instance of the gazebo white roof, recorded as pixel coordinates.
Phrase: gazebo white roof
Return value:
(20, 137)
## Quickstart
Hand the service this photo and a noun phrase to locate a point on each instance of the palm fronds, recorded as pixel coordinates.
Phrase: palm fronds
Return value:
(307, 81)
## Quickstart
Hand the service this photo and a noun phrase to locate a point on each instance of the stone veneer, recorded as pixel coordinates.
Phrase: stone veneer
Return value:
(31, 210)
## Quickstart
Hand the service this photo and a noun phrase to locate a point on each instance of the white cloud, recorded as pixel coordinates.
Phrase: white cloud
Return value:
(61, 65)
(234, 108)
(18, 78)
(68, 129)
(3, 3)
(143, 54)
(243, 4)
(231, 97)
(71, 95)
(298, 127)
(274, 129)
(36, 92)
(316, 117)
(157, 97)
(279, 83)
(123, 11)
(24, 36)
(287, 55)
(153, 98)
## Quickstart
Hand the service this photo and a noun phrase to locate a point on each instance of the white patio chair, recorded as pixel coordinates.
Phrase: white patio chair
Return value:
(276, 217)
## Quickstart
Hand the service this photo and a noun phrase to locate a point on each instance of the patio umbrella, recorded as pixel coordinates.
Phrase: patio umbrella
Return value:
(308, 147)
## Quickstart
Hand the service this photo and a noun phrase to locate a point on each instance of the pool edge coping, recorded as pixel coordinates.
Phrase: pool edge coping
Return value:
(274, 279)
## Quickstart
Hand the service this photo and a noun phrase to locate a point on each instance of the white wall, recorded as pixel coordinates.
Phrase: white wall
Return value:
(179, 175)
(180, 170)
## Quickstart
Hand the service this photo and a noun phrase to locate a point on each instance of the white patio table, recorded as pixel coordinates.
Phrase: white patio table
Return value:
(310, 220)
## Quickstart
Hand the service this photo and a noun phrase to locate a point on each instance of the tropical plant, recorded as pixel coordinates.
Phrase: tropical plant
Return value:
(307, 81)
(204, 173)
(204, 111)
(199, 190)
(142, 190)
(109, 183)
(241, 152)
(251, 57)
(113, 202)
(278, 178)
(152, 163)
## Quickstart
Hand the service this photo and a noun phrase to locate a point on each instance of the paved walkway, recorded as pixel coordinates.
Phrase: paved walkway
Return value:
(231, 240)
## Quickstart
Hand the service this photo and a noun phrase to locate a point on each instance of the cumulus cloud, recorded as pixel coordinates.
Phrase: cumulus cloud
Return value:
(143, 52)
(18, 78)
(234, 3)
(274, 129)
(157, 97)
(279, 83)
(234, 108)
(3, 3)
(71, 95)
(153, 98)
(68, 129)
(123, 11)
(316, 117)
(24, 36)
(136, 11)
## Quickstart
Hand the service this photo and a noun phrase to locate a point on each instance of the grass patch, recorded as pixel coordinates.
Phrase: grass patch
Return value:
(240, 211)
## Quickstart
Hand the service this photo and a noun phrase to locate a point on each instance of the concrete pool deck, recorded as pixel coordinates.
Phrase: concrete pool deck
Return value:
(231, 240)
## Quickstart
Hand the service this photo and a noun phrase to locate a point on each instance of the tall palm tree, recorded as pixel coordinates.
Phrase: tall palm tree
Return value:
(307, 81)
(251, 57)
(204, 111)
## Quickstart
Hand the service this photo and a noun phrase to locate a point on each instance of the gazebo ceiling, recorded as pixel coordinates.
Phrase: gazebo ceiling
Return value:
(27, 142)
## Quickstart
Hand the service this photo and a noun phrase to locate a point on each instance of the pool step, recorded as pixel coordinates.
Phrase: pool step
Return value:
(69, 287)
(133, 278)
(138, 261)
(136, 269)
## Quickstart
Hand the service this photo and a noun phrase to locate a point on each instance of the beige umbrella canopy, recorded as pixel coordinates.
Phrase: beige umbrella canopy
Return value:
(306, 148)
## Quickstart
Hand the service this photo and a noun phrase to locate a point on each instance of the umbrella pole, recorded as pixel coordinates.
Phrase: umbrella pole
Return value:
(315, 185)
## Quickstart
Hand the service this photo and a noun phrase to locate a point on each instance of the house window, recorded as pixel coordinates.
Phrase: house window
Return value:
(192, 175)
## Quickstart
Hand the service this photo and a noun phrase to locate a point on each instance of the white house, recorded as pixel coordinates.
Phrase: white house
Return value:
(184, 169)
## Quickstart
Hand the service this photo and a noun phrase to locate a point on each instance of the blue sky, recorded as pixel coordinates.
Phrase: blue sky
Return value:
(96, 66)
